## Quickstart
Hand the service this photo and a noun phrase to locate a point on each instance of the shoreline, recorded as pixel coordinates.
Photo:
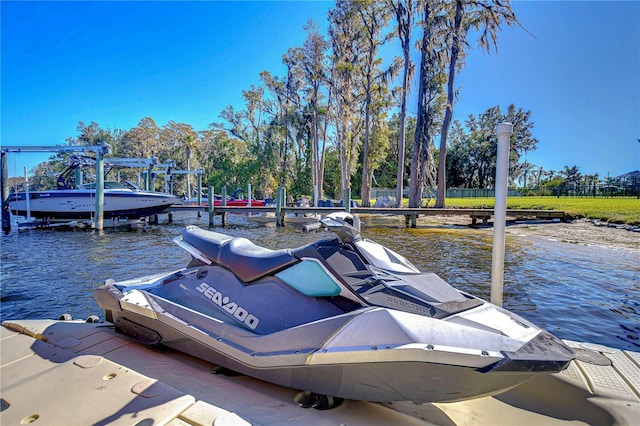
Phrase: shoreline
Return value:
(581, 231)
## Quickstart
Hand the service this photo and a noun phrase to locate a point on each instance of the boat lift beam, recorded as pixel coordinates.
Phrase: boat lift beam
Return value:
(99, 150)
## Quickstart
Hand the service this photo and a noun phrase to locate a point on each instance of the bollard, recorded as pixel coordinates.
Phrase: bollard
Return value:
(504, 131)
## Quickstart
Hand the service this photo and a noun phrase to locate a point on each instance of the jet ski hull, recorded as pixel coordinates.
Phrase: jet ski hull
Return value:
(383, 381)
(371, 353)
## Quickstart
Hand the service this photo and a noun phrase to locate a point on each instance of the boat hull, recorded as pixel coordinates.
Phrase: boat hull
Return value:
(81, 204)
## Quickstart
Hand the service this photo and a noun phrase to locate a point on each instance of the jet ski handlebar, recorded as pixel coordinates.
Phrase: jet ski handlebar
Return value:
(346, 225)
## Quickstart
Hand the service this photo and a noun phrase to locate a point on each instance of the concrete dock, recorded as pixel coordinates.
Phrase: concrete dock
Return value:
(73, 372)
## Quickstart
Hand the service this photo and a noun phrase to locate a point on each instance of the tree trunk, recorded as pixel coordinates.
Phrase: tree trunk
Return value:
(404, 32)
(442, 159)
(420, 141)
(365, 190)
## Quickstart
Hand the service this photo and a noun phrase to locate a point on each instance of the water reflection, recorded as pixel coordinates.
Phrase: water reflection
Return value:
(577, 292)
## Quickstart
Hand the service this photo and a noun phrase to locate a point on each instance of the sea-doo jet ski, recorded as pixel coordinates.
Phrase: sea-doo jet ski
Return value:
(343, 317)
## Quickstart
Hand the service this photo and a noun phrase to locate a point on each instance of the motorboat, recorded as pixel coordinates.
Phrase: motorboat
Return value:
(120, 201)
(230, 202)
(234, 201)
(76, 202)
(342, 317)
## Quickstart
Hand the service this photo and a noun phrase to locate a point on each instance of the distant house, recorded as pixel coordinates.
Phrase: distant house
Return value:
(629, 182)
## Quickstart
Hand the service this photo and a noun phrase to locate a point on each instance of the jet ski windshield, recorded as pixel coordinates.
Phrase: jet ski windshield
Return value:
(384, 258)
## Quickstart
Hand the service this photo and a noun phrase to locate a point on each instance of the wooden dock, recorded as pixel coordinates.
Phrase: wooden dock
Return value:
(78, 373)
(410, 214)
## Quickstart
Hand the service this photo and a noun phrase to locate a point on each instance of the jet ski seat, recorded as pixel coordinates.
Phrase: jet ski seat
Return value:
(250, 262)
(245, 259)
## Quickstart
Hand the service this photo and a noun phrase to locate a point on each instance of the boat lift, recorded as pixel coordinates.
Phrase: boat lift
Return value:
(150, 165)
(99, 150)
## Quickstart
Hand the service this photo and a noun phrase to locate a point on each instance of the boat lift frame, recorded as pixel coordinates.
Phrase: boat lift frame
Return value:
(149, 164)
(99, 150)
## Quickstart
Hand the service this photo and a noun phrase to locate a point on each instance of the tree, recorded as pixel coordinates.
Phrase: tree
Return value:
(404, 16)
(482, 143)
(142, 141)
(223, 157)
(346, 44)
(431, 80)
(179, 142)
(373, 17)
(523, 172)
(485, 16)
(572, 177)
(315, 69)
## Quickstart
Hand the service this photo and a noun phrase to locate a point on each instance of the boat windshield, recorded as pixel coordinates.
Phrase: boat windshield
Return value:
(107, 185)
(384, 258)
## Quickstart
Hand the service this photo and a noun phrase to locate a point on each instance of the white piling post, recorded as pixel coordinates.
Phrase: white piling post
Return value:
(504, 131)
(99, 217)
(27, 196)
(315, 196)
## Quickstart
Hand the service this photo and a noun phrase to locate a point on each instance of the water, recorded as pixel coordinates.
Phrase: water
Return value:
(577, 292)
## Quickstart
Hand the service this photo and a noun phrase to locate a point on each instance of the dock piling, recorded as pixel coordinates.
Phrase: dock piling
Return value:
(281, 197)
(210, 201)
(504, 131)
(346, 200)
(99, 219)
(199, 175)
(4, 190)
(224, 204)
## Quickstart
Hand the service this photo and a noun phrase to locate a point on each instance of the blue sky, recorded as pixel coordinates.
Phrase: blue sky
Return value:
(117, 62)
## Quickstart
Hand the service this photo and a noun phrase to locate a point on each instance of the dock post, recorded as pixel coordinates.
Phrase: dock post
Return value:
(346, 200)
(199, 176)
(224, 204)
(210, 202)
(278, 206)
(4, 186)
(279, 203)
(504, 131)
(315, 195)
(99, 191)
(283, 203)
(150, 186)
(78, 176)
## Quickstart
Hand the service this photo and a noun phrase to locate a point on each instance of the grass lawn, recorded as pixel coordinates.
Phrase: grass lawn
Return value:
(614, 209)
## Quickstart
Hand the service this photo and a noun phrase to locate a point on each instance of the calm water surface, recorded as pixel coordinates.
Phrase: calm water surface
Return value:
(582, 293)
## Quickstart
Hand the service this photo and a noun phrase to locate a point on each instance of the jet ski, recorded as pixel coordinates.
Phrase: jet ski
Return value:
(343, 317)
